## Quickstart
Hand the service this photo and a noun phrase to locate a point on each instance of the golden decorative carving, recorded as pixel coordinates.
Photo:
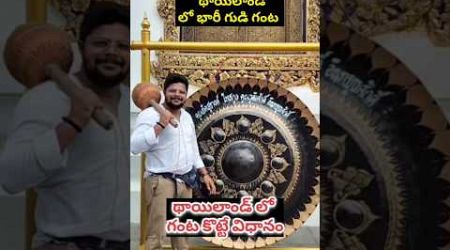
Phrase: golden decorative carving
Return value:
(313, 21)
(229, 127)
(350, 181)
(166, 9)
(438, 23)
(287, 70)
(257, 127)
(277, 149)
(379, 17)
(208, 146)
(276, 177)
(73, 11)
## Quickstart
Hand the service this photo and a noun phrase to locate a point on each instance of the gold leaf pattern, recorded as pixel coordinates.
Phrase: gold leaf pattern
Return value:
(276, 177)
(229, 127)
(372, 18)
(208, 146)
(277, 149)
(284, 70)
(349, 182)
(257, 127)
(313, 19)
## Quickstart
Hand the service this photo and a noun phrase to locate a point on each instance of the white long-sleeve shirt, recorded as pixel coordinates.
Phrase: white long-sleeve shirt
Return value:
(83, 191)
(175, 150)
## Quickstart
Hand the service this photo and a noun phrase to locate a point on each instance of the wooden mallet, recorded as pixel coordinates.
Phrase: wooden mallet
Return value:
(35, 53)
(145, 95)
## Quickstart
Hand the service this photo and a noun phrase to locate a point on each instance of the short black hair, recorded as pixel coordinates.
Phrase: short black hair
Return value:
(175, 78)
(102, 13)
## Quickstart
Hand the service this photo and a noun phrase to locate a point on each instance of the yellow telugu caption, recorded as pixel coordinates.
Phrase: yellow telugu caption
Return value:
(229, 17)
(205, 3)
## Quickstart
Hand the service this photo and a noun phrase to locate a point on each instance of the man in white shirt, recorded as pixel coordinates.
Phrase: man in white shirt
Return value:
(79, 171)
(172, 158)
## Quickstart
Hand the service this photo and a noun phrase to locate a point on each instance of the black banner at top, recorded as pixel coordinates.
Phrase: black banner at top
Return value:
(229, 12)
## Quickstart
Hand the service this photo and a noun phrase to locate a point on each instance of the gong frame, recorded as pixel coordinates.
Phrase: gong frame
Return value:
(146, 45)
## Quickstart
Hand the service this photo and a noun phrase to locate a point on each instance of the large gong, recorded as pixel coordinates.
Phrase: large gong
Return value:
(385, 150)
(257, 138)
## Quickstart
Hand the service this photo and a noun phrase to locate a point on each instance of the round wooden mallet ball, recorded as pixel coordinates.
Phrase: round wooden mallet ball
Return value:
(143, 93)
(31, 47)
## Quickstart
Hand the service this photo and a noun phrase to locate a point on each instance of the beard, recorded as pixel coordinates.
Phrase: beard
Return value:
(173, 106)
(95, 74)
